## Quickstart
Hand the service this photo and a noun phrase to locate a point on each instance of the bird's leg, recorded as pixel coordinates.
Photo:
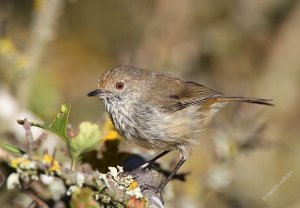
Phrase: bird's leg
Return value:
(154, 159)
(164, 183)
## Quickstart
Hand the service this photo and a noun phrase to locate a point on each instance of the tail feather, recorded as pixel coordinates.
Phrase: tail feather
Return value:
(260, 101)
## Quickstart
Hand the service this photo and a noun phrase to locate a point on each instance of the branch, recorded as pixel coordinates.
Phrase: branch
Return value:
(108, 186)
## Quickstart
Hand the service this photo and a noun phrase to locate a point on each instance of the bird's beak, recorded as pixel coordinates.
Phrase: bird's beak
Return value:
(94, 93)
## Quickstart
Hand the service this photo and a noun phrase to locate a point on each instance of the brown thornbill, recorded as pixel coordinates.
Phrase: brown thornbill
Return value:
(159, 111)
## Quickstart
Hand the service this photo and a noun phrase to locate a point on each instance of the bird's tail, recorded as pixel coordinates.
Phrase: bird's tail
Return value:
(247, 100)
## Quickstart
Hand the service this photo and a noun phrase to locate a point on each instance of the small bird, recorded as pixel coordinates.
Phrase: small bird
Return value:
(159, 111)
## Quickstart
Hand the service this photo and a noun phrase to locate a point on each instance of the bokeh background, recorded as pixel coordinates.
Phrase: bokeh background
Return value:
(53, 52)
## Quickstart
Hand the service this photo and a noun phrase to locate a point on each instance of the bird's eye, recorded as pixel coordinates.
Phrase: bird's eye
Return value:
(120, 85)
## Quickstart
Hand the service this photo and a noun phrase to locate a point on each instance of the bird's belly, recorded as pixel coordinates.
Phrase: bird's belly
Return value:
(155, 130)
(124, 125)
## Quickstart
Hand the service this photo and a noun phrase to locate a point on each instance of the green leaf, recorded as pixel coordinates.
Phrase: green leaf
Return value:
(12, 149)
(87, 140)
(59, 125)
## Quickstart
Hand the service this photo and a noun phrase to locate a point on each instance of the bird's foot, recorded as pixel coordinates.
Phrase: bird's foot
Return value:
(148, 187)
(160, 188)
(152, 188)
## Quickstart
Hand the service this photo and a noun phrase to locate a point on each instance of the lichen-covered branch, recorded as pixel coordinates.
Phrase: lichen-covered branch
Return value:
(116, 187)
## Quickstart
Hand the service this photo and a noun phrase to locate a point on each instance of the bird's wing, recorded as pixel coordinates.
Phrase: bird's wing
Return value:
(196, 94)
(179, 94)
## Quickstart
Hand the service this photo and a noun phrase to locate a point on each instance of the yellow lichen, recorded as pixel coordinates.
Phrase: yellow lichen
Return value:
(55, 167)
(47, 159)
(133, 185)
(54, 164)
(16, 162)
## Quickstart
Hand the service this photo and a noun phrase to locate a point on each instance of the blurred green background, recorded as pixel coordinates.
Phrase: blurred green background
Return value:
(53, 52)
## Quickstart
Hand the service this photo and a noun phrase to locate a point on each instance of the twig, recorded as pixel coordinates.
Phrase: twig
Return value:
(38, 202)
(39, 141)
(53, 156)
(29, 136)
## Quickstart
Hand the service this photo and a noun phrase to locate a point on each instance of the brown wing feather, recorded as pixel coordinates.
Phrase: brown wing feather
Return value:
(196, 94)
(259, 101)
(180, 94)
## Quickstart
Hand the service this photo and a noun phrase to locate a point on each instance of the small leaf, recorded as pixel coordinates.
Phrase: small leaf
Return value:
(12, 149)
(58, 126)
(87, 140)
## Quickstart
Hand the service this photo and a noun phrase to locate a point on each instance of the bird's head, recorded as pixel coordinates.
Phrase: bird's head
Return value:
(120, 82)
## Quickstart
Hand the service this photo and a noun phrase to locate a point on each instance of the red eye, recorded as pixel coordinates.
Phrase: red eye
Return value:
(120, 85)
